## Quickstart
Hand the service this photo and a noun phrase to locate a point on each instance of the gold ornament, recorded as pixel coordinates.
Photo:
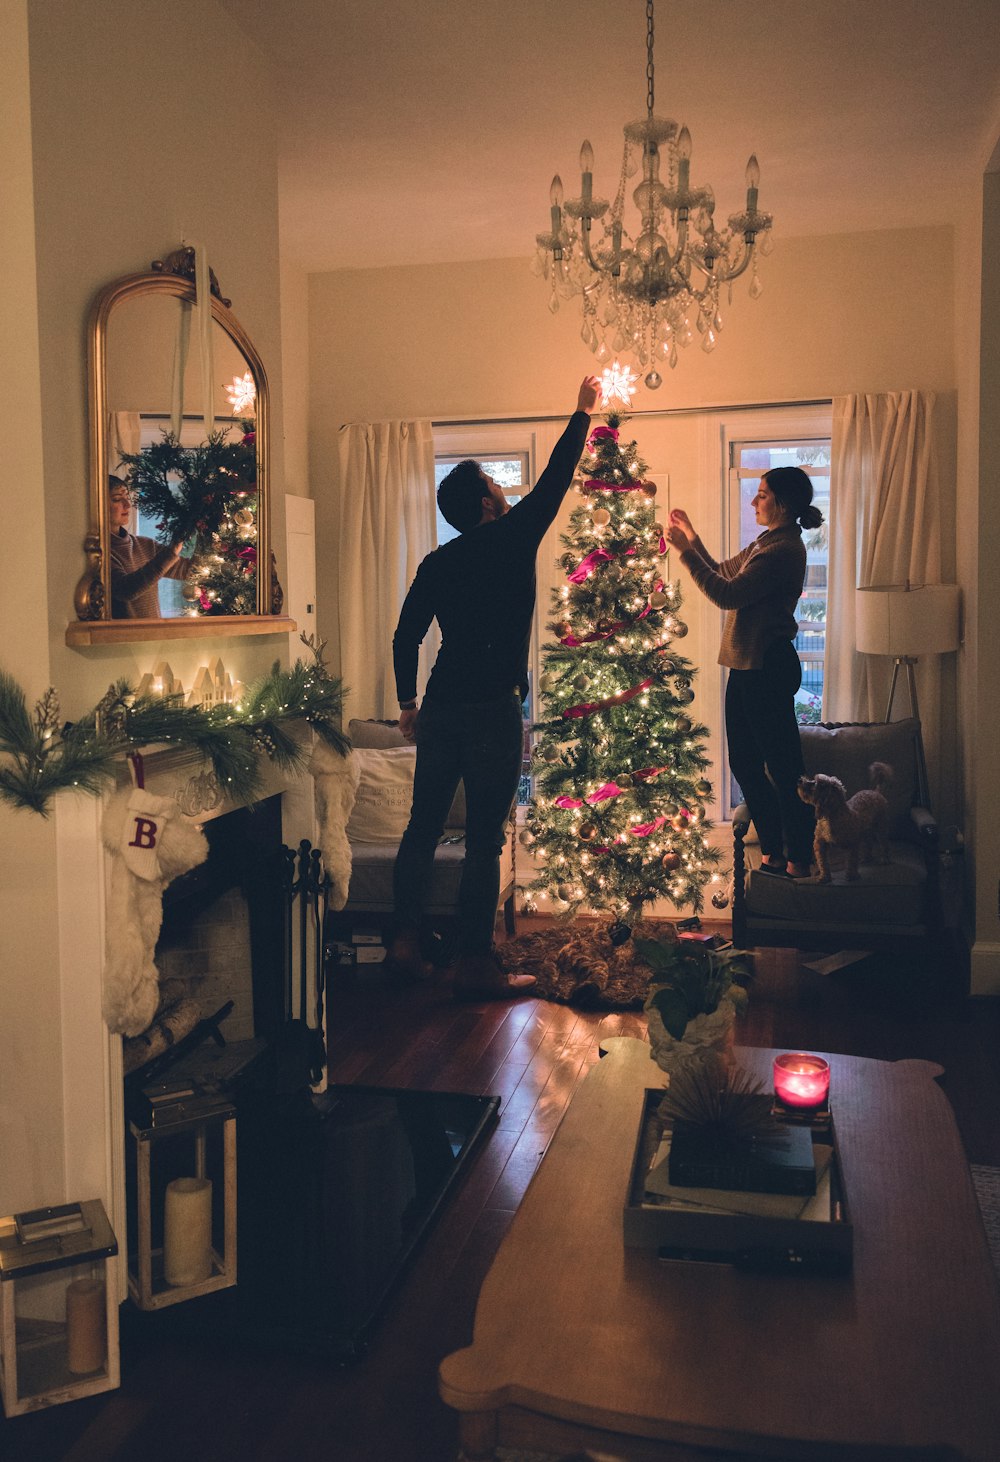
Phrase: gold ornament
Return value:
(550, 752)
(671, 860)
(648, 489)
(601, 517)
(703, 788)
(581, 681)
(683, 724)
(657, 599)
(588, 830)
(243, 517)
(564, 892)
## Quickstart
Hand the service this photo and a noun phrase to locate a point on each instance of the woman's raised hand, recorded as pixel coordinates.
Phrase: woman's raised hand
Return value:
(680, 533)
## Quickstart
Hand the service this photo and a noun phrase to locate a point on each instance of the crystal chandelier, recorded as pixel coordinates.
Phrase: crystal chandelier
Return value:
(646, 296)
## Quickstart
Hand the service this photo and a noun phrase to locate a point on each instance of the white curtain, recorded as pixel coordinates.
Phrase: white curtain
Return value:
(885, 528)
(387, 525)
(124, 428)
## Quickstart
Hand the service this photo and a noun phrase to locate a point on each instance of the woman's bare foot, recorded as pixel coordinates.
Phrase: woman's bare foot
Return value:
(799, 870)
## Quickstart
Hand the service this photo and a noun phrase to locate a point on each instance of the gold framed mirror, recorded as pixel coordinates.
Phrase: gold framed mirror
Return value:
(179, 541)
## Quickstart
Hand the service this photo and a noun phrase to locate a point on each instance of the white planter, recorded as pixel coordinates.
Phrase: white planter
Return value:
(706, 1037)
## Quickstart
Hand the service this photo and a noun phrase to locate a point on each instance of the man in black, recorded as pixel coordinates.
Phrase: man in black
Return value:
(481, 589)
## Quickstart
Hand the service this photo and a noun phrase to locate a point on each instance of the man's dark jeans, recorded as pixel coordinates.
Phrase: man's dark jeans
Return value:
(480, 743)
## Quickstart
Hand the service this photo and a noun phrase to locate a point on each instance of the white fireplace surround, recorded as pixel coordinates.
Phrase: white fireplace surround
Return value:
(93, 1123)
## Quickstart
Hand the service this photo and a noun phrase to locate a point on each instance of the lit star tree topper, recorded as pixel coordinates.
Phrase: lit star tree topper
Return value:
(617, 384)
(618, 819)
(241, 394)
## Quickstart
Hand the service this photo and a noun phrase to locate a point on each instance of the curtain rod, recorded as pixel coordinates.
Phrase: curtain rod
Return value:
(656, 411)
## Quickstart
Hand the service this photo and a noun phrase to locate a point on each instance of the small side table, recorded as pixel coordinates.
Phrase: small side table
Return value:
(203, 1132)
(58, 1316)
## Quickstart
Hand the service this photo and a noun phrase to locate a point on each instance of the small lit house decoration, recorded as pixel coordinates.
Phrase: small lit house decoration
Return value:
(182, 1237)
(213, 686)
(58, 1312)
(160, 681)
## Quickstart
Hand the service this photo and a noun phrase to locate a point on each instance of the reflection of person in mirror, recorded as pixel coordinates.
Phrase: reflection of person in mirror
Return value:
(137, 564)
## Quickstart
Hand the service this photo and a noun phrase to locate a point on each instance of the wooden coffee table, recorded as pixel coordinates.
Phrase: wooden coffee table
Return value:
(580, 1342)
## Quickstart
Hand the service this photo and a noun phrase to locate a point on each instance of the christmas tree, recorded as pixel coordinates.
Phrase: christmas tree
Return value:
(225, 579)
(619, 815)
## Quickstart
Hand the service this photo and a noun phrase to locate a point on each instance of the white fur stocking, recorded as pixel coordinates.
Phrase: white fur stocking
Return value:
(150, 845)
(336, 779)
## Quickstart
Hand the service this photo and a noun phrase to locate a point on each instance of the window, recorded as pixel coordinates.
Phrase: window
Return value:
(748, 461)
(510, 470)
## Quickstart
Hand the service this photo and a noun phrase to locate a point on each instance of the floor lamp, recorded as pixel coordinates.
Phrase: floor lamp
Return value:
(905, 622)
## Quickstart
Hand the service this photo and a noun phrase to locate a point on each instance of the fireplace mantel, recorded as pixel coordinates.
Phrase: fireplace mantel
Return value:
(94, 1132)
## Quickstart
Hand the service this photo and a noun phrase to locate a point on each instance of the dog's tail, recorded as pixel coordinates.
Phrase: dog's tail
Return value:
(880, 776)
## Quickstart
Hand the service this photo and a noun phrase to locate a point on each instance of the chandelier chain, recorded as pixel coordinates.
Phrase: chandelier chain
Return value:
(649, 57)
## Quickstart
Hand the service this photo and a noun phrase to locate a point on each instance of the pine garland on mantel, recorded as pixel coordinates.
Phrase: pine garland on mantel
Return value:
(39, 757)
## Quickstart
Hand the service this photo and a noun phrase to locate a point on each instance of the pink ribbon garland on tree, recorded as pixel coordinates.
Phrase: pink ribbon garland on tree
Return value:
(586, 566)
(595, 482)
(573, 713)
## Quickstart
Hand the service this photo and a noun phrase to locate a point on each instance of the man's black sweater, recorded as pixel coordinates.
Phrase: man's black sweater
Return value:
(480, 588)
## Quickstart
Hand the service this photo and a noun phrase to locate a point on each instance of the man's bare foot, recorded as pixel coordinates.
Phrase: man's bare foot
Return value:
(799, 870)
(479, 977)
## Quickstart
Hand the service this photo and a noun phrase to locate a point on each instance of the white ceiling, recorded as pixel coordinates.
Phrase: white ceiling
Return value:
(415, 131)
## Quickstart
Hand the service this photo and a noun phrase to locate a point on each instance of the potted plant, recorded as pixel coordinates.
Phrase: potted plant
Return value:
(693, 999)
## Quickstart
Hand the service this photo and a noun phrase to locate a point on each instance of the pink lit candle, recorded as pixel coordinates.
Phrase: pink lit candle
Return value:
(802, 1081)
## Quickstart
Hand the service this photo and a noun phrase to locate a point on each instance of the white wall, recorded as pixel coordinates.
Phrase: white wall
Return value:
(121, 151)
(31, 1158)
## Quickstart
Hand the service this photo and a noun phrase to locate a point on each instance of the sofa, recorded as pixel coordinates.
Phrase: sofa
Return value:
(889, 906)
(372, 858)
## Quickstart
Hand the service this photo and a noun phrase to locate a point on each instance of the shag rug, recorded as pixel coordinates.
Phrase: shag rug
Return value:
(579, 965)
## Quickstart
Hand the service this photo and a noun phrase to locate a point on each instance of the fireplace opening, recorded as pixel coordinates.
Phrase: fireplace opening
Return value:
(222, 939)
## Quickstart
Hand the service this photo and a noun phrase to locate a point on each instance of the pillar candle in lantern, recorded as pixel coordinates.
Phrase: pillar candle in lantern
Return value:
(801, 1080)
(86, 1345)
(187, 1231)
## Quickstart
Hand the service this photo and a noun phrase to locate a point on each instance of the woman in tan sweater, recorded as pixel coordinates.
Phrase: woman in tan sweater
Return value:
(759, 588)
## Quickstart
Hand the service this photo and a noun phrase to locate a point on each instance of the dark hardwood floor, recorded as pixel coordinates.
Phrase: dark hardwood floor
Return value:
(203, 1403)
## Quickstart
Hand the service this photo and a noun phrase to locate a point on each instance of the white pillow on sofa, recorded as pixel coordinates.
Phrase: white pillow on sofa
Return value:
(385, 794)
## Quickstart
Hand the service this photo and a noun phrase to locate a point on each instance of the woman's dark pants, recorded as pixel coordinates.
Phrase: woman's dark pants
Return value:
(765, 752)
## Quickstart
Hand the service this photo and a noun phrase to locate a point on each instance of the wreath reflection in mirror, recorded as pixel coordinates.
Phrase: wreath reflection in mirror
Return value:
(206, 498)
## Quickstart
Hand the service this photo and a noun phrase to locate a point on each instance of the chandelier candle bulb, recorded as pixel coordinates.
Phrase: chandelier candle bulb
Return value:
(802, 1081)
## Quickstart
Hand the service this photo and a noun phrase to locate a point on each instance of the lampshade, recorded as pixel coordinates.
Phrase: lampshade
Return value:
(898, 620)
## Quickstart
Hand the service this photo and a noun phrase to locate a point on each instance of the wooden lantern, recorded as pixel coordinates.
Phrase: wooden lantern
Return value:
(58, 1311)
(182, 1225)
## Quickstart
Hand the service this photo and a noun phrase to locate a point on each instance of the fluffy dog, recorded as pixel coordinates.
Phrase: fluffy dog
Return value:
(860, 825)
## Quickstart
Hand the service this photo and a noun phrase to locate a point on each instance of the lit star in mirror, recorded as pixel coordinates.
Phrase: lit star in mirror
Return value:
(617, 383)
(242, 394)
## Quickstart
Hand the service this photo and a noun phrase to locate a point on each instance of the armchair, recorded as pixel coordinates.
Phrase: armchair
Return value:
(370, 888)
(890, 906)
